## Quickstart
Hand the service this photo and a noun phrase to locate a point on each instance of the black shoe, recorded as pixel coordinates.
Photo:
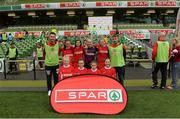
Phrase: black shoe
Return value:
(154, 86)
(162, 87)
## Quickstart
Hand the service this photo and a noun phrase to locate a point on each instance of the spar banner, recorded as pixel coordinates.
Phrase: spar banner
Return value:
(138, 3)
(40, 6)
(83, 94)
(1, 64)
(165, 3)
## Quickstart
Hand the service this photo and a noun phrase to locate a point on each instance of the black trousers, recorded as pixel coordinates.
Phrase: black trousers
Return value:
(51, 70)
(40, 62)
(12, 65)
(120, 71)
(163, 68)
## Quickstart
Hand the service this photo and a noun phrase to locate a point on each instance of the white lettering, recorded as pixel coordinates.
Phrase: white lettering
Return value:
(72, 95)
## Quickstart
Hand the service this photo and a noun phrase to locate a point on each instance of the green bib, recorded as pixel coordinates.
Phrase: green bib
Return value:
(51, 58)
(162, 52)
(4, 37)
(12, 52)
(39, 52)
(116, 56)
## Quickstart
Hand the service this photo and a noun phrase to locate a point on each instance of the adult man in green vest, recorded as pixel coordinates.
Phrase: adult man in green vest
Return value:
(12, 54)
(51, 56)
(117, 55)
(160, 57)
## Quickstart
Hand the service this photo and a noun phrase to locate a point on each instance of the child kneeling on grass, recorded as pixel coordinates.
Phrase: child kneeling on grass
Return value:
(108, 70)
(66, 70)
(80, 69)
(94, 69)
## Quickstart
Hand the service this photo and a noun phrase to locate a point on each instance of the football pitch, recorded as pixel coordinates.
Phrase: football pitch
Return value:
(36, 104)
(147, 104)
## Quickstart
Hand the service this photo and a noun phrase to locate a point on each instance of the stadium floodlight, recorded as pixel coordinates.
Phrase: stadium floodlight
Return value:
(71, 13)
(169, 11)
(11, 14)
(31, 14)
(50, 13)
(130, 11)
(164, 14)
(35, 16)
(110, 12)
(146, 14)
(151, 11)
(89, 12)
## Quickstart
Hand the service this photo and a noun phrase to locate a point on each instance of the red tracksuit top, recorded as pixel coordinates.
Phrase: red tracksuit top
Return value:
(78, 54)
(65, 72)
(97, 71)
(108, 72)
(78, 71)
(68, 52)
(102, 55)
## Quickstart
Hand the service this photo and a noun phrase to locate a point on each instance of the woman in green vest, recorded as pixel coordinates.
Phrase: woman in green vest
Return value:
(160, 58)
(12, 54)
(117, 55)
(51, 55)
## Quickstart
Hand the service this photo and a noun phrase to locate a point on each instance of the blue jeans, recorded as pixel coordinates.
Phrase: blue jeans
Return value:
(176, 69)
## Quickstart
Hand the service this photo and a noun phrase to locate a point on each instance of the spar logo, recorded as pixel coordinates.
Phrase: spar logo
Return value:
(89, 95)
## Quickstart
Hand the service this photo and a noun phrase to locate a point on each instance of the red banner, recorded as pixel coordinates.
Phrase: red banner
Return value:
(70, 4)
(35, 6)
(83, 94)
(165, 3)
(113, 3)
(138, 3)
(76, 33)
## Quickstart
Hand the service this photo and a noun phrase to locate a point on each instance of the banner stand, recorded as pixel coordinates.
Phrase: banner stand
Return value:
(4, 69)
(34, 69)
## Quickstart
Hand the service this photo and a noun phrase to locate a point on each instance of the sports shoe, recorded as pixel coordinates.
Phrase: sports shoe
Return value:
(49, 92)
(154, 86)
(162, 87)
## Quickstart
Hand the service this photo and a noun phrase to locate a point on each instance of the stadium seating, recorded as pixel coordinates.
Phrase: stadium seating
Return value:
(139, 26)
(41, 27)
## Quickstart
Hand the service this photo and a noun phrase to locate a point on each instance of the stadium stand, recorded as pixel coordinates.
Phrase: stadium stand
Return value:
(41, 27)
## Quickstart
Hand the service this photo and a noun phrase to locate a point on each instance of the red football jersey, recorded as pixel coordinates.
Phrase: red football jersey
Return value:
(97, 71)
(78, 54)
(68, 52)
(78, 71)
(65, 72)
(102, 55)
(108, 72)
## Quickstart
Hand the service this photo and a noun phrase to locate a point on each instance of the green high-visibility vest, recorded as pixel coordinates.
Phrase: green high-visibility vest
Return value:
(39, 52)
(116, 56)
(162, 51)
(12, 53)
(51, 58)
(4, 37)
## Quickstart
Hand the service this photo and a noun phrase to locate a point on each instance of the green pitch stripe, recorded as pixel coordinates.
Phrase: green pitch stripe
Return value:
(42, 83)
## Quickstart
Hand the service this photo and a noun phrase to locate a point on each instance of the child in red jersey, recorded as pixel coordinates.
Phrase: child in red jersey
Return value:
(94, 69)
(78, 52)
(66, 70)
(67, 50)
(102, 53)
(108, 70)
(80, 69)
